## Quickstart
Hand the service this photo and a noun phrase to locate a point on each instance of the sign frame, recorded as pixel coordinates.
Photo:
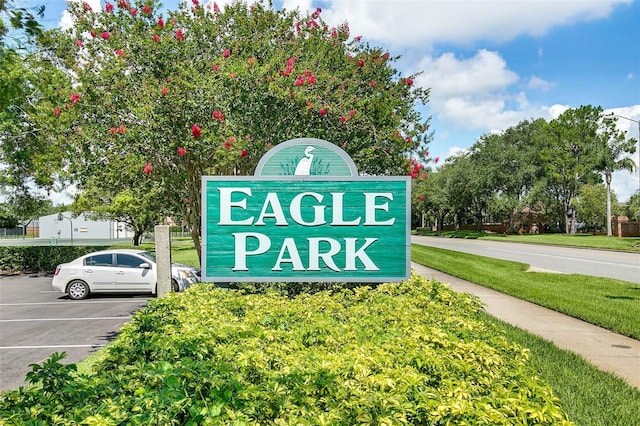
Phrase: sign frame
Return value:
(300, 276)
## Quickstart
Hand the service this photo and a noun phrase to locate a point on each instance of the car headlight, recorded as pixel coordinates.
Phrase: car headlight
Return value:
(184, 273)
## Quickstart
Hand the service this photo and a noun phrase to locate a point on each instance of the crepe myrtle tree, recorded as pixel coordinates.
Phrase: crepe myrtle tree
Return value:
(207, 91)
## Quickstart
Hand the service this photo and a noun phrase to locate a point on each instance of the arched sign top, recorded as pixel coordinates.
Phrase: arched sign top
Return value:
(306, 157)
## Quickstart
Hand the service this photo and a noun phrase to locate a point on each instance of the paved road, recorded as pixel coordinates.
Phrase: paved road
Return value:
(36, 321)
(601, 263)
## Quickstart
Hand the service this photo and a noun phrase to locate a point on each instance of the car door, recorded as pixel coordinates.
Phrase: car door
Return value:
(130, 277)
(99, 273)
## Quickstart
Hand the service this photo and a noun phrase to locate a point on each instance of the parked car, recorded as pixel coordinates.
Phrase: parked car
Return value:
(118, 271)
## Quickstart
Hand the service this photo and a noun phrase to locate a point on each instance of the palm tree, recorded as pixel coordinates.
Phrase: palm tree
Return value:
(613, 156)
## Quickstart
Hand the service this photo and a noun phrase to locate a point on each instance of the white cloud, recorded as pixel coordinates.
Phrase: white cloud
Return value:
(425, 22)
(537, 83)
(449, 76)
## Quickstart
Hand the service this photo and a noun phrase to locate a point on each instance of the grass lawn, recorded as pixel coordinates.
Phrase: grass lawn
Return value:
(607, 302)
(588, 395)
(602, 242)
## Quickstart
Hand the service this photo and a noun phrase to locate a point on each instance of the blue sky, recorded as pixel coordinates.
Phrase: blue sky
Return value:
(492, 64)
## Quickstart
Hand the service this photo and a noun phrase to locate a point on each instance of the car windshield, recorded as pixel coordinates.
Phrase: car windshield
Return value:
(149, 255)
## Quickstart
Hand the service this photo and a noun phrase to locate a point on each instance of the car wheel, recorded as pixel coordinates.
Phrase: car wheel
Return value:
(78, 290)
(174, 286)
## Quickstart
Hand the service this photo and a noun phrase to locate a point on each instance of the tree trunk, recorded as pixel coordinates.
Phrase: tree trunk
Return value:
(137, 235)
(195, 236)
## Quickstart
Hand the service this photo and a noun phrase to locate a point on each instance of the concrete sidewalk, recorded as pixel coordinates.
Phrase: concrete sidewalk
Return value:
(608, 351)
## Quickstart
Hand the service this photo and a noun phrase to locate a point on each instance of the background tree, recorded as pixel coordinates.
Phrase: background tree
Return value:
(568, 154)
(121, 196)
(633, 208)
(8, 218)
(193, 93)
(613, 150)
(591, 206)
(18, 28)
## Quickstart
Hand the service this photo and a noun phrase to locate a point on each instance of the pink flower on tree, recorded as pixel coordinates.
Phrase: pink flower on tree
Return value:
(360, 63)
(322, 111)
(119, 52)
(195, 131)
(409, 81)
(372, 84)
(86, 6)
(343, 118)
(156, 38)
(105, 35)
(423, 175)
(421, 197)
(215, 67)
(161, 22)
(108, 7)
(182, 152)
(226, 53)
(165, 91)
(311, 79)
(133, 11)
(229, 141)
(75, 98)
(179, 35)
(244, 153)
(79, 43)
(436, 160)
(218, 115)
(56, 111)
(216, 8)
(299, 81)
(147, 169)
(146, 9)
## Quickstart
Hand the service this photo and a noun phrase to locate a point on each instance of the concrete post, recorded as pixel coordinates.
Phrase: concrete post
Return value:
(163, 259)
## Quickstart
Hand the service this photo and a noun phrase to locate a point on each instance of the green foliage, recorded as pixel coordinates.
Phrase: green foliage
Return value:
(537, 165)
(592, 206)
(14, 259)
(190, 93)
(8, 218)
(406, 353)
(633, 208)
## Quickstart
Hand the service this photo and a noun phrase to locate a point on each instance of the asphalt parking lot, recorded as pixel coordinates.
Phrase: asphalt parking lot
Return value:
(36, 321)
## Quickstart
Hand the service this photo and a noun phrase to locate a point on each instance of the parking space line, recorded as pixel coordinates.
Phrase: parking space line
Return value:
(63, 319)
(52, 346)
(74, 302)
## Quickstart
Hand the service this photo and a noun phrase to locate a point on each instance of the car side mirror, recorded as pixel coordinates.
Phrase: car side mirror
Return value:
(144, 265)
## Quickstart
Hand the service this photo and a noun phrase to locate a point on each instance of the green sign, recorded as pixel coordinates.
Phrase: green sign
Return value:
(305, 228)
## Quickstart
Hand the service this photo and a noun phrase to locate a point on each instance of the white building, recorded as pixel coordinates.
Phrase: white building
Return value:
(81, 228)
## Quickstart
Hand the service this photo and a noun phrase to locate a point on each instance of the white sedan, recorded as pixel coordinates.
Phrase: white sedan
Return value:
(118, 271)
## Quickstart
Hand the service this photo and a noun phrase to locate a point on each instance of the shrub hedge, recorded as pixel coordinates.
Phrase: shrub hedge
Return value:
(403, 353)
(21, 259)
